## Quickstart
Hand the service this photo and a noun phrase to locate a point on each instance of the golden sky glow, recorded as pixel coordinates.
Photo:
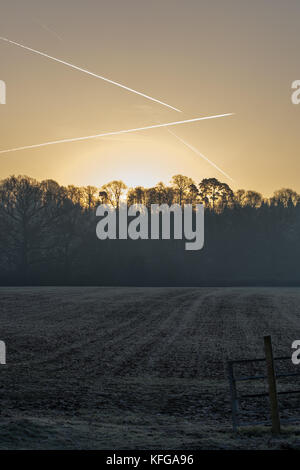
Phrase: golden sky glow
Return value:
(204, 57)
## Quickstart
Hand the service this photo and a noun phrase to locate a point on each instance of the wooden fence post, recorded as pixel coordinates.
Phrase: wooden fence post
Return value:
(272, 385)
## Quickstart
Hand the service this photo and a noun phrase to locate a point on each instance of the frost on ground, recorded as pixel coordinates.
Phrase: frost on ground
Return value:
(136, 368)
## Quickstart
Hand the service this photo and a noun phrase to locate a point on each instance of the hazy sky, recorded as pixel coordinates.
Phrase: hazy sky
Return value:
(202, 56)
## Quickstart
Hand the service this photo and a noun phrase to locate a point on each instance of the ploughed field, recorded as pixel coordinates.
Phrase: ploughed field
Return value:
(136, 368)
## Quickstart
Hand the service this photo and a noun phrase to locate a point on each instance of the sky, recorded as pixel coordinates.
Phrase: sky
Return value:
(204, 57)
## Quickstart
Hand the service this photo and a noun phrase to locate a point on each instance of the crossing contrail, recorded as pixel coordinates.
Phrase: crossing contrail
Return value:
(184, 142)
(89, 73)
(51, 31)
(77, 139)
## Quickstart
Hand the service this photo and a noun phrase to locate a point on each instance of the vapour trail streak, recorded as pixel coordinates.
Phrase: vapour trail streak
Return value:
(51, 31)
(200, 154)
(77, 139)
(89, 73)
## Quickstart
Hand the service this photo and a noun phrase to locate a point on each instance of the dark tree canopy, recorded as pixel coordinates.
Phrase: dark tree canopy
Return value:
(47, 236)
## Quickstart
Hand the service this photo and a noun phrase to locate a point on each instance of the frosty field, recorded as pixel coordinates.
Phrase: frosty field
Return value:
(135, 368)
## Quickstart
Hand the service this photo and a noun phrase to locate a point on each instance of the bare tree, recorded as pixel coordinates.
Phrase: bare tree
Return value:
(215, 194)
(114, 191)
(181, 184)
(252, 199)
(89, 196)
(21, 203)
(285, 197)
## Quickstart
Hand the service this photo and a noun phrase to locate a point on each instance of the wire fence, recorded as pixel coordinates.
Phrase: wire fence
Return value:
(270, 376)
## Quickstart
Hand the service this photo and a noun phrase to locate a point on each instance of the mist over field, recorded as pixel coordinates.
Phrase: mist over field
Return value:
(48, 236)
(135, 368)
(142, 367)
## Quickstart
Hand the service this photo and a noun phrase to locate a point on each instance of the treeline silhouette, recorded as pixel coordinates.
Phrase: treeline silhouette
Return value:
(48, 236)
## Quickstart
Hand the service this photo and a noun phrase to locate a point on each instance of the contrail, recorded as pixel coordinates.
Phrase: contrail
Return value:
(44, 26)
(200, 154)
(77, 139)
(89, 73)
